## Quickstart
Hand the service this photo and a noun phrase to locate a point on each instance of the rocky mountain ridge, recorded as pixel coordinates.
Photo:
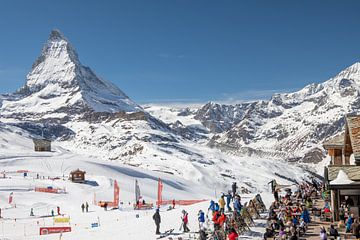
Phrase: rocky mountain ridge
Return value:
(289, 125)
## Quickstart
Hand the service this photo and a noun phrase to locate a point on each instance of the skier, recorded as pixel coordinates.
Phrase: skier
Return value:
(228, 200)
(212, 206)
(237, 204)
(31, 212)
(185, 221)
(234, 187)
(82, 207)
(276, 195)
(217, 207)
(52, 212)
(201, 218)
(58, 210)
(173, 203)
(105, 206)
(87, 207)
(157, 220)
(215, 220)
(222, 204)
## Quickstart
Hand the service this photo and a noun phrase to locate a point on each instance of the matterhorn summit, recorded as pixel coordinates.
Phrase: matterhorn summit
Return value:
(59, 84)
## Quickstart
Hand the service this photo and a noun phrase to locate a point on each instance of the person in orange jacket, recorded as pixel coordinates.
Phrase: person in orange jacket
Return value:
(233, 234)
(222, 204)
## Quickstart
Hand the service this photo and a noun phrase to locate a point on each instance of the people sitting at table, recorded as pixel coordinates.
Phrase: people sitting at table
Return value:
(309, 203)
(323, 235)
(349, 222)
(355, 228)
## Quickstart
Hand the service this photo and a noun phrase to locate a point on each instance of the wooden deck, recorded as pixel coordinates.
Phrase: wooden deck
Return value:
(313, 231)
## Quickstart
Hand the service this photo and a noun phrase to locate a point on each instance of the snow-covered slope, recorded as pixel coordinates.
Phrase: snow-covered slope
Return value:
(191, 180)
(290, 125)
(59, 85)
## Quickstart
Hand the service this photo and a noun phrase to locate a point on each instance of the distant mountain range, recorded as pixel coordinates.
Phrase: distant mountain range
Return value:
(68, 102)
(291, 125)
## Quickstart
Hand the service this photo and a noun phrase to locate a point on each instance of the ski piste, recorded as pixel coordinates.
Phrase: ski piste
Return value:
(166, 233)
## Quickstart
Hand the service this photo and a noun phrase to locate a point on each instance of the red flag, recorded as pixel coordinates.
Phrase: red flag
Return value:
(116, 194)
(11, 197)
(160, 188)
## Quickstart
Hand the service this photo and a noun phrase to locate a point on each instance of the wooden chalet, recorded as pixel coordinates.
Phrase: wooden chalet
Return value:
(77, 176)
(42, 145)
(342, 176)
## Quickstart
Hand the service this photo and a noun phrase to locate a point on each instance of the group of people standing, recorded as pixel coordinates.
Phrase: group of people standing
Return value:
(85, 207)
(218, 216)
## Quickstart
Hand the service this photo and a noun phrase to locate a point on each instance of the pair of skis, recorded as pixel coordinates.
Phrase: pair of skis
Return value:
(166, 233)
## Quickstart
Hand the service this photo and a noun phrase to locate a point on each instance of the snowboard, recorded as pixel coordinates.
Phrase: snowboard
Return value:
(165, 234)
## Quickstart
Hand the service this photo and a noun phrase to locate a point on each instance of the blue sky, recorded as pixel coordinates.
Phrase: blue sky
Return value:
(188, 51)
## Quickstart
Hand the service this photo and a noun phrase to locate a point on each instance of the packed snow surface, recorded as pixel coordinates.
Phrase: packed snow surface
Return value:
(204, 182)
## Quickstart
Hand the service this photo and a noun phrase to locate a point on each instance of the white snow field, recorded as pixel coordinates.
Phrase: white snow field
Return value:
(16, 153)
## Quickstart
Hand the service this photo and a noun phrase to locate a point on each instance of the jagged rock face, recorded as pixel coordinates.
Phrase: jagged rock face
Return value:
(59, 85)
(292, 125)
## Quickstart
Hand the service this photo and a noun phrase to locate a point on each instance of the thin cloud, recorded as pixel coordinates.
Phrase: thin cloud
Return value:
(251, 95)
(173, 56)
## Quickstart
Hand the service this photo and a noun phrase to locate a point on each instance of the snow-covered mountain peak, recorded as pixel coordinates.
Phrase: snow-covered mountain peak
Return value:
(352, 72)
(59, 83)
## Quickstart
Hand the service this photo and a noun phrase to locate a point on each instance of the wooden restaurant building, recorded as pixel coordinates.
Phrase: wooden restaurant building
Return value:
(342, 175)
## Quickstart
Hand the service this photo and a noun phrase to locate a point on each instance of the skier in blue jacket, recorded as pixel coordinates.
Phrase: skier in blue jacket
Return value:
(201, 218)
(228, 200)
(237, 204)
(212, 206)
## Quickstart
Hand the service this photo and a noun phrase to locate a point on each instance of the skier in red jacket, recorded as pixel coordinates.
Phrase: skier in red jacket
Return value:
(185, 221)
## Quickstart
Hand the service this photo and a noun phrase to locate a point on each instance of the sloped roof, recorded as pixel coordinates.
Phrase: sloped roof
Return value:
(77, 171)
(341, 179)
(352, 172)
(335, 142)
(353, 123)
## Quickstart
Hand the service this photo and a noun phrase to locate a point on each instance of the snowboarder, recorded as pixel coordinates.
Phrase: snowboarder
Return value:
(87, 207)
(228, 200)
(157, 220)
(234, 188)
(222, 204)
(52, 212)
(185, 221)
(58, 210)
(201, 218)
(31, 212)
(82, 207)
